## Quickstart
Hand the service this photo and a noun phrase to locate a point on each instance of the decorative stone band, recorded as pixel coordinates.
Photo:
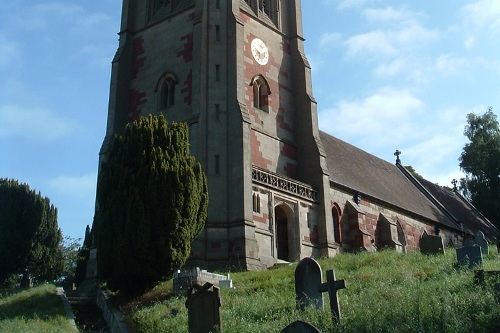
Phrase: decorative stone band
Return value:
(284, 184)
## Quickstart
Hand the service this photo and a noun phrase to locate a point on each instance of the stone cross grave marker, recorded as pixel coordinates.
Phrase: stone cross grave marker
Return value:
(204, 314)
(307, 282)
(300, 327)
(431, 244)
(331, 286)
(470, 256)
(481, 241)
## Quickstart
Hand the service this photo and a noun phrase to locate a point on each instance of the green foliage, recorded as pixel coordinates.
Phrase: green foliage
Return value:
(37, 310)
(29, 235)
(70, 249)
(152, 202)
(480, 160)
(82, 258)
(386, 292)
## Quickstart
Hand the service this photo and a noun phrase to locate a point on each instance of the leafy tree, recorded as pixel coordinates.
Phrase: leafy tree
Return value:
(152, 202)
(480, 161)
(29, 235)
(70, 249)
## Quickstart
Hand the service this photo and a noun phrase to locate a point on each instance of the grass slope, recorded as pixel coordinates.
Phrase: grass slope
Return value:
(36, 310)
(386, 292)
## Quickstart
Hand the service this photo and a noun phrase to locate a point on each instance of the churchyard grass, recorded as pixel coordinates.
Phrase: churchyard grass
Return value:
(34, 310)
(386, 292)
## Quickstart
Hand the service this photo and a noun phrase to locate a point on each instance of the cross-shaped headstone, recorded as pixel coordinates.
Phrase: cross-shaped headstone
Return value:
(331, 286)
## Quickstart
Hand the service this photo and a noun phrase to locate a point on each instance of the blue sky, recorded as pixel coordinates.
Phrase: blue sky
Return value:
(387, 75)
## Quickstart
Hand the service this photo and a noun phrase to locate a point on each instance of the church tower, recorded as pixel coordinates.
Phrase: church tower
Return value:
(236, 72)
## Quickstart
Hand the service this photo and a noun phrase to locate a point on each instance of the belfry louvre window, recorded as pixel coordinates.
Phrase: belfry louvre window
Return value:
(261, 93)
(271, 9)
(166, 91)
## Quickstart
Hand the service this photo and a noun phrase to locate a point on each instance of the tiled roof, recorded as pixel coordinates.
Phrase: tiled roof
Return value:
(462, 210)
(362, 172)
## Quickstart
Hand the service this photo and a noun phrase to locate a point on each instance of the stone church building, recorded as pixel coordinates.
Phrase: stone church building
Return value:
(279, 188)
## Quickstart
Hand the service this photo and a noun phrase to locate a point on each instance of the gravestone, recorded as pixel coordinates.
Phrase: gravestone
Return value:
(331, 286)
(481, 242)
(91, 271)
(307, 282)
(470, 256)
(204, 314)
(468, 241)
(431, 244)
(300, 327)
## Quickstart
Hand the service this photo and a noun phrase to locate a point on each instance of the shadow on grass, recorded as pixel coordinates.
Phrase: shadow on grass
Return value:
(32, 304)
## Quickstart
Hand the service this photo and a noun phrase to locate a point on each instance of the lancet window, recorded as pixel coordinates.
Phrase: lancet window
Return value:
(166, 91)
(261, 93)
(159, 8)
(266, 8)
(271, 9)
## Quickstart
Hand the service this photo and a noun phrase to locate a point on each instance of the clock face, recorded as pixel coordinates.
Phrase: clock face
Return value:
(260, 51)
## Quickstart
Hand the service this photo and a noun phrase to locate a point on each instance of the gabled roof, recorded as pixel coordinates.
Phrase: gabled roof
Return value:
(359, 171)
(463, 210)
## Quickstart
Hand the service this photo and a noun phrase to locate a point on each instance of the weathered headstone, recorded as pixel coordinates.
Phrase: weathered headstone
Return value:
(468, 241)
(204, 314)
(431, 244)
(470, 256)
(91, 271)
(331, 286)
(300, 327)
(307, 282)
(481, 242)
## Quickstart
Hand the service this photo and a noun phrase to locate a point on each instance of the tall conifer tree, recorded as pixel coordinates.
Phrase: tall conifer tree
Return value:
(152, 202)
(30, 238)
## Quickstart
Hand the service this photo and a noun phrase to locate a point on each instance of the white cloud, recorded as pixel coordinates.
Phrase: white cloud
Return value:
(449, 64)
(385, 14)
(392, 68)
(483, 13)
(469, 42)
(329, 39)
(32, 123)
(76, 186)
(381, 119)
(344, 4)
(390, 42)
(373, 43)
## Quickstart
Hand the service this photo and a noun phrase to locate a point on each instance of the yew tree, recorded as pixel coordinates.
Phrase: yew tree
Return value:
(480, 161)
(30, 239)
(152, 199)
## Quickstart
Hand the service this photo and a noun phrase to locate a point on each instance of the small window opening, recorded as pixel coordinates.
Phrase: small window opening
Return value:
(217, 73)
(217, 33)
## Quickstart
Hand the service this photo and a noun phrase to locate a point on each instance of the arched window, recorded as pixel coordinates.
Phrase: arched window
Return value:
(256, 203)
(271, 9)
(156, 6)
(166, 91)
(261, 93)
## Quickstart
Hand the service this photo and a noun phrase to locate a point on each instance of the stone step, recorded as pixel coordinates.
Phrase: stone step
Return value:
(88, 316)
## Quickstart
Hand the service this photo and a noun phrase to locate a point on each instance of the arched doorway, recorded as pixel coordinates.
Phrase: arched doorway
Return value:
(282, 243)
